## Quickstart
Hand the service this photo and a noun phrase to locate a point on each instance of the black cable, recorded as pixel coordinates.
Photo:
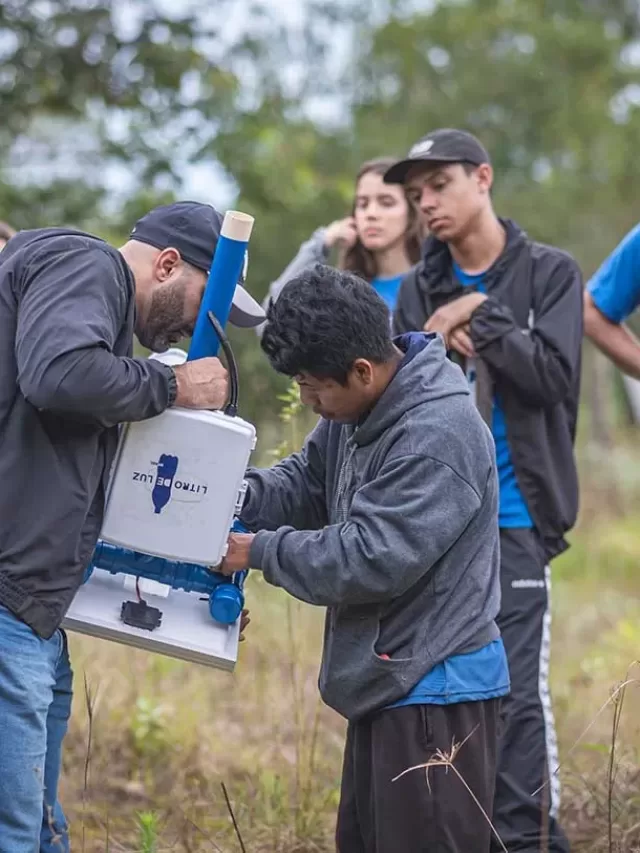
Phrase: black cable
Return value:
(140, 598)
(231, 408)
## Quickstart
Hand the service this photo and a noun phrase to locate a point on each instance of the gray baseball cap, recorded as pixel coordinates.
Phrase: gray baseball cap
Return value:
(446, 145)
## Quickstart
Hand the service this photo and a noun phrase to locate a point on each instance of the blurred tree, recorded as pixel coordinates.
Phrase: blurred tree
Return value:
(285, 107)
(551, 86)
(95, 88)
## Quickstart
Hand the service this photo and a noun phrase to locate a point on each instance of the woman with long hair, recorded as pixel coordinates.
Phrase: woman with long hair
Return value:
(379, 241)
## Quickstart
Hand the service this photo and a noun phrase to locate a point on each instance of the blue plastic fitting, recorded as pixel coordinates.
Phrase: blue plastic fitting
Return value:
(226, 596)
(227, 600)
(226, 603)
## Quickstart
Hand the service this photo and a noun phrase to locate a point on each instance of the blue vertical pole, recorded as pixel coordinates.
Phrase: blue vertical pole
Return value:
(225, 273)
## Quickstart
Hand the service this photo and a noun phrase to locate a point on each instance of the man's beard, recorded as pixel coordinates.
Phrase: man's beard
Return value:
(165, 325)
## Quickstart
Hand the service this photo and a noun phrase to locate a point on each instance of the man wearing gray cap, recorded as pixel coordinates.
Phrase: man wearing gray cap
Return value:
(69, 307)
(510, 312)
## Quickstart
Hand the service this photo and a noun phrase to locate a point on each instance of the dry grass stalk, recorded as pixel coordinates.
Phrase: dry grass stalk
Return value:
(444, 759)
(90, 703)
(233, 818)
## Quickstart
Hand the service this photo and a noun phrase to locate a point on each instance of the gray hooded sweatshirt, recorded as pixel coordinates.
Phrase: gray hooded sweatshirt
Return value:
(393, 527)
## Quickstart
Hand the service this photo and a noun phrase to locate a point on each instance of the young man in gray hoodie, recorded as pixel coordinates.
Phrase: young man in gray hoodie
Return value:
(388, 517)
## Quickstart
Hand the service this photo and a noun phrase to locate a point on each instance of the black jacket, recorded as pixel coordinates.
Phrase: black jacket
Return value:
(67, 379)
(529, 334)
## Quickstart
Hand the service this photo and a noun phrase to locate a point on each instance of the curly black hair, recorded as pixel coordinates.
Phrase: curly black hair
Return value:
(323, 320)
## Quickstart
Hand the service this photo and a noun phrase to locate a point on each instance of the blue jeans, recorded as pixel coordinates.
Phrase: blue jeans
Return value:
(35, 705)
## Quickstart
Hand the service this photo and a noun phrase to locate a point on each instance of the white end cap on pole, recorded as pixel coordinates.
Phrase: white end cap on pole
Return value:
(237, 226)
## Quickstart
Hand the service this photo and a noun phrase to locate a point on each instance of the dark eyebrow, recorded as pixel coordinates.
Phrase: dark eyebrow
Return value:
(427, 177)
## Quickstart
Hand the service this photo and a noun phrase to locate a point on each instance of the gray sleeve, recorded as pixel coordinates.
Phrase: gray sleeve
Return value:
(71, 309)
(291, 492)
(312, 251)
(399, 526)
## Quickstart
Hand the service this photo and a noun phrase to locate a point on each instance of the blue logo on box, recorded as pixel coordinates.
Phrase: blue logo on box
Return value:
(165, 485)
(161, 494)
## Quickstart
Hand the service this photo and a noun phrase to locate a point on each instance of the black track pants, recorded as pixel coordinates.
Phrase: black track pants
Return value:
(527, 749)
(411, 815)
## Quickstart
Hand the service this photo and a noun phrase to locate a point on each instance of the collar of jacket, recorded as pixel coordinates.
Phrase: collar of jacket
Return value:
(436, 273)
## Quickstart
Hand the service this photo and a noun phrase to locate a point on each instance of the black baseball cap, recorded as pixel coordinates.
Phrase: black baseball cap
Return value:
(446, 145)
(188, 226)
(193, 229)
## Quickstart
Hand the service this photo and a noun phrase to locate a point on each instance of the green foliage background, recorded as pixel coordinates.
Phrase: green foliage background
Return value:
(284, 109)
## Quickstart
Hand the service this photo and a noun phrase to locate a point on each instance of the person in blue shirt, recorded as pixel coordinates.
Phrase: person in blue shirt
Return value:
(510, 312)
(612, 295)
(380, 240)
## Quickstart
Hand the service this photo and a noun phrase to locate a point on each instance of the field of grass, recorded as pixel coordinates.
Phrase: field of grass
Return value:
(152, 740)
(155, 745)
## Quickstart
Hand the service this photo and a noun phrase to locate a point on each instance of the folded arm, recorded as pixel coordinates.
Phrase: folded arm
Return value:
(541, 363)
(615, 340)
(613, 294)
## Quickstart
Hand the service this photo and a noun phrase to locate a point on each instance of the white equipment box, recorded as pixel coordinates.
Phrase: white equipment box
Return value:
(176, 485)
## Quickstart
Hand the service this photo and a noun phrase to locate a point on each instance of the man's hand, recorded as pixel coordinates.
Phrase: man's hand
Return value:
(460, 341)
(244, 622)
(201, 384)
(454, 314)
(237, 557)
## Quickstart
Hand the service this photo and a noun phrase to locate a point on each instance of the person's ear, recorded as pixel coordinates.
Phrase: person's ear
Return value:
(484, 178)
(363, 371)
(166, 263)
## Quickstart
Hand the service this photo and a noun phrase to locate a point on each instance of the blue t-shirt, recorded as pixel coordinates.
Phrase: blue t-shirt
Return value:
(615, 287)
(388, 289)
(471, 677)
(513, 509)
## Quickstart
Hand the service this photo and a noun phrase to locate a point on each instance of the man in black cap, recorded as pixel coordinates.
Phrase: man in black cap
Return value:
(510, 312)
(69, 307)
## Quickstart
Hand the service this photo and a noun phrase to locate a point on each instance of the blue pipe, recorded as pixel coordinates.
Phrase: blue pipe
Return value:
(226, 595)
(224, 275)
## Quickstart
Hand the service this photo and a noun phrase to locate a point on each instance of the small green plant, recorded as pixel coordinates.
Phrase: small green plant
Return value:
(290, 418)
(148, 728)
(147, 832)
